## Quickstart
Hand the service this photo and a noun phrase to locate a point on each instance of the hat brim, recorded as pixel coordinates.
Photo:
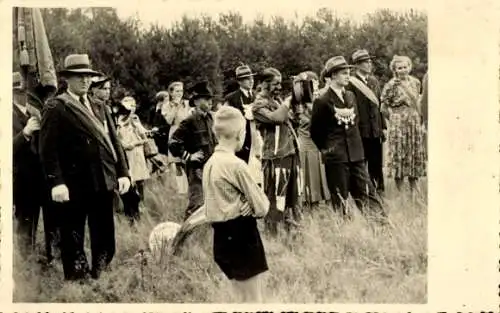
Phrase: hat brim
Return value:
(106, 79)
(362, 59)
(335, 69)
(340, 67)
(82, 71)
(100, 82)
(246, 75)
(202, 95)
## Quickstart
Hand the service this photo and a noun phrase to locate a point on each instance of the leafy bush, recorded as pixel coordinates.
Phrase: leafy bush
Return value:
(143, 61)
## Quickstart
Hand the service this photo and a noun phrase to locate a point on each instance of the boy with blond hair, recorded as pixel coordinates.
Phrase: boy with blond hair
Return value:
(233, 201)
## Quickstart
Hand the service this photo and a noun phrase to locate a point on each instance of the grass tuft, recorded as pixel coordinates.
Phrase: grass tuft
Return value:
(331, 261)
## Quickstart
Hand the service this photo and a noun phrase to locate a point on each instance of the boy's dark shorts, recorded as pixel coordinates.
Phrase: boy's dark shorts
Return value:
(238, 248)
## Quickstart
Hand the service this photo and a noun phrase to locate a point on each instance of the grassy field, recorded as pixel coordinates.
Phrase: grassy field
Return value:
(332, 261)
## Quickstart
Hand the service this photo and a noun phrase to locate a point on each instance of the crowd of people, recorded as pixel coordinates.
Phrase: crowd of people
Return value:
(318, 142)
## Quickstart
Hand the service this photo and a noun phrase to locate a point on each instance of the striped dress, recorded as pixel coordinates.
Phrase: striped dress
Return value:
(315, 187)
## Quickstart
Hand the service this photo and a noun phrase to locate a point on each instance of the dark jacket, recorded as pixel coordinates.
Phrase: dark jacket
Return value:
(156, 119)
(27, 178)
(371, 121)
(337, 143)
(236, 99)
(100, 107)
(73, 152)
(194, 134)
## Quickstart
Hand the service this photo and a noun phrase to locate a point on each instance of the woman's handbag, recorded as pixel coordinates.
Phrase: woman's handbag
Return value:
(150, 148)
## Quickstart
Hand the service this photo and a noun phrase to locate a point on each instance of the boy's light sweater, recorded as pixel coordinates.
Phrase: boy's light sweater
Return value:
(228, 186)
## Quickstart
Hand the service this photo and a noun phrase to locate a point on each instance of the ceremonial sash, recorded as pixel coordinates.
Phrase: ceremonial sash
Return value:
(356, 82)
(90, 122)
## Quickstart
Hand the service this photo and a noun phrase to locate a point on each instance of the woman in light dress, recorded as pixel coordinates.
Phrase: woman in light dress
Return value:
(133, 137)
(400, 100)
(175, 112)
(178, 108)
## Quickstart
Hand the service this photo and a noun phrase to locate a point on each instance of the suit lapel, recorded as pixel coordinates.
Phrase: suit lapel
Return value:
(361, 79)
(112, 133)
(248, 98)
(19, 119)
(20, 116)
(335, 100)
(98, 109)
(244, 98)
(370, 84)
(363, 88)
(90, 123)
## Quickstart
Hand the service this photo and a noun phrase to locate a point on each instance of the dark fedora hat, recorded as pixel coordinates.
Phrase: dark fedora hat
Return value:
(360, 55)
(99, 81)
(78, 64)
(335, 64)
(201, 90)
(243, 71)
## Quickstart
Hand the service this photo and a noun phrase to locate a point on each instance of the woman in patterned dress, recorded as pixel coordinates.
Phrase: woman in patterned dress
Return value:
(400, 97)
(314, 185)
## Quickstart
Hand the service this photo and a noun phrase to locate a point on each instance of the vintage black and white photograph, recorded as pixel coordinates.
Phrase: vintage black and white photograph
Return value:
(220, 151)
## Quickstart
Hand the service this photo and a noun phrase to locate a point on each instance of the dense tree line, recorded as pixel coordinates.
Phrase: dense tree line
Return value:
(143, 61)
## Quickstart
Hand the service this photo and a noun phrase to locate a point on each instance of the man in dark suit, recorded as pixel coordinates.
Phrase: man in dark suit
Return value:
(238, 98)
(194, 142)
(372, 124)
(29, 191)
(84, 163)
(334, 130)
(159, 123)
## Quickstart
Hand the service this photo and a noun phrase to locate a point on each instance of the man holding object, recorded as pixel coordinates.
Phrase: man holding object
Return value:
(27, 179)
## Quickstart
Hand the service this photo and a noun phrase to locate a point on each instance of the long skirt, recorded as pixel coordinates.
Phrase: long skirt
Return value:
(314, 182)
(281, 185)
(406, 155)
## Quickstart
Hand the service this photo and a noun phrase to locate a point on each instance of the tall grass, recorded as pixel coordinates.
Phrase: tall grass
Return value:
(331, 261)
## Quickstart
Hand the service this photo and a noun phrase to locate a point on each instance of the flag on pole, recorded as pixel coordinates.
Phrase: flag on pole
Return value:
(33, 52)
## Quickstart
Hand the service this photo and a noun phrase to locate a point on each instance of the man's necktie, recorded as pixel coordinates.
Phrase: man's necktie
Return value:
(88, 107)
(82, 100)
